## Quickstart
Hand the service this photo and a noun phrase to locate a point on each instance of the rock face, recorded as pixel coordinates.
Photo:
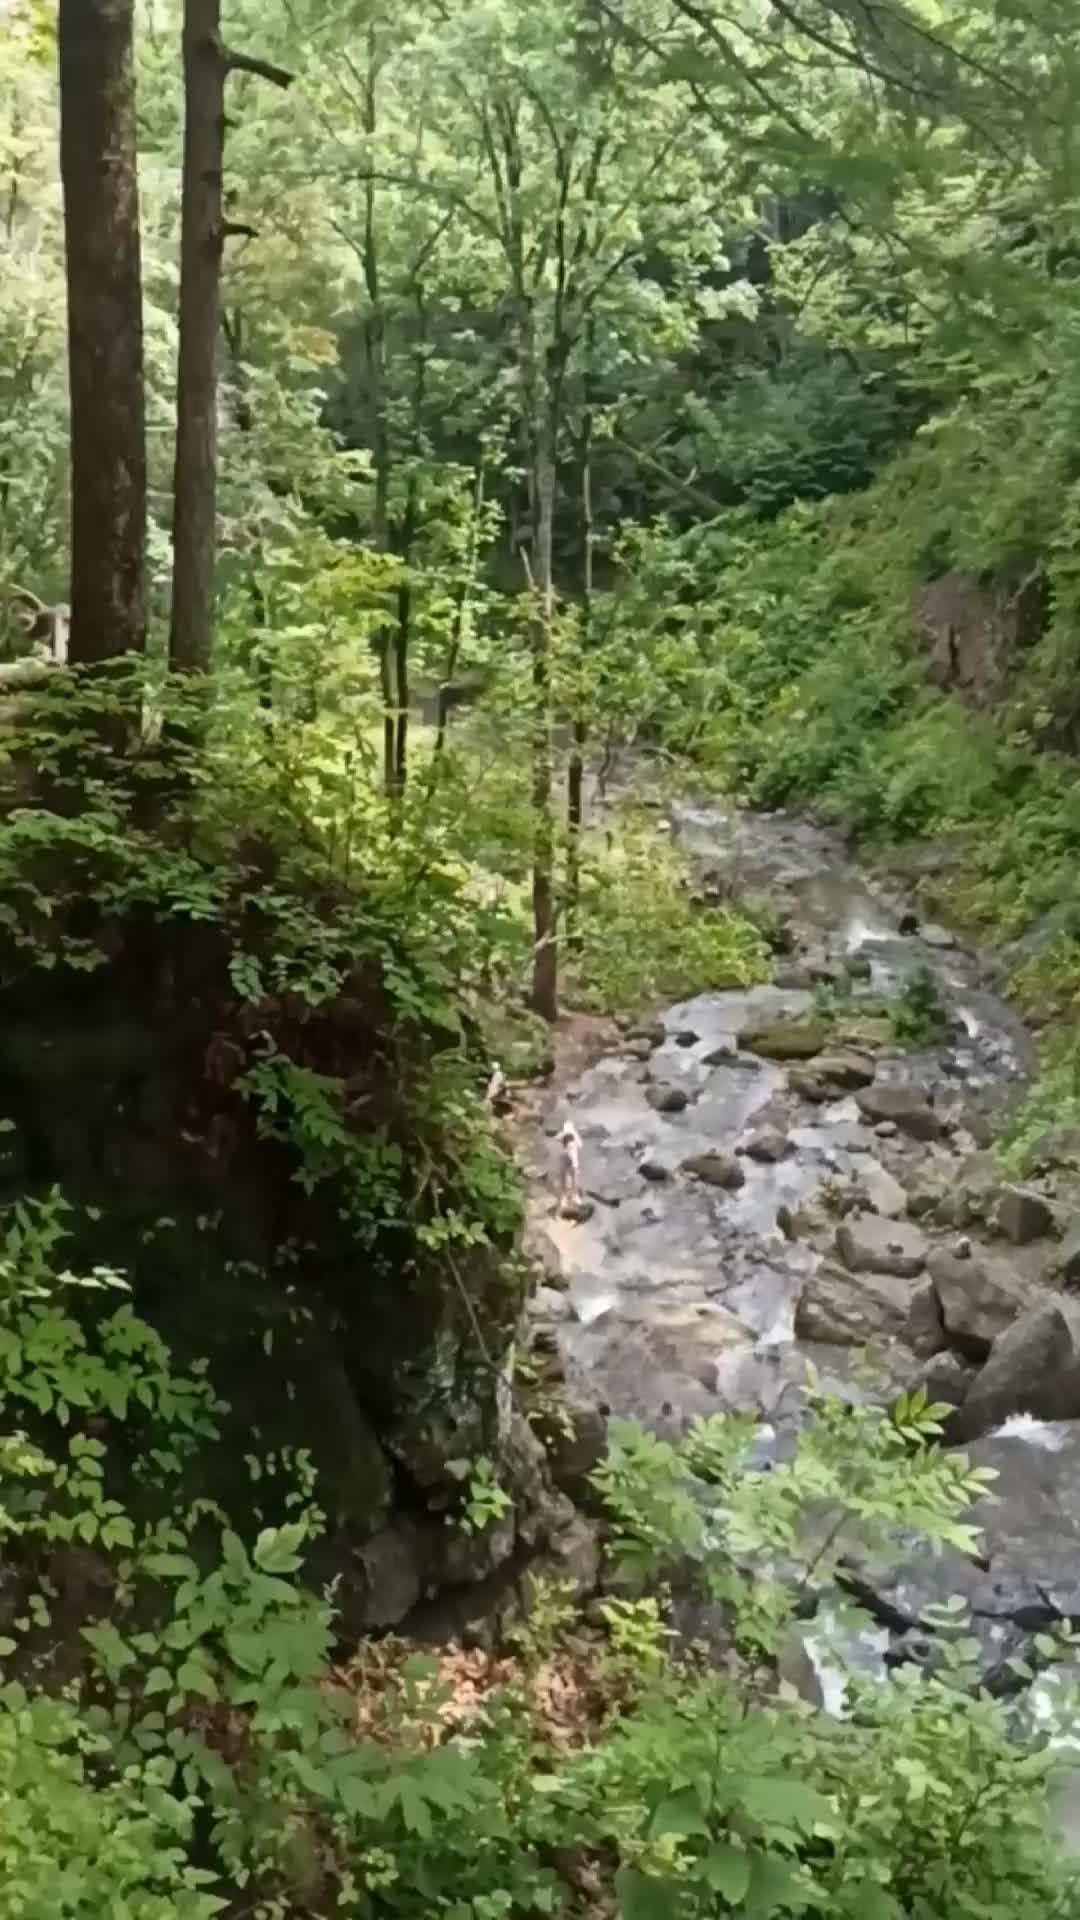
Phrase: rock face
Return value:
(353, 1351)
(1069, 1260)
(850, 1308)
(978, 1301)
(904, 1107)
(1034, 1367)
(883, 1193)
(872, 1245)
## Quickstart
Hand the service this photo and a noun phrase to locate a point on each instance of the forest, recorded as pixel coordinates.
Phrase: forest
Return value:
(539, 959)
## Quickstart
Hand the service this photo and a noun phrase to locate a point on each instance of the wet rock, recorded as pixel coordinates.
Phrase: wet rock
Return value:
(908, 922)
(924, 1328)
(850, 1308)
(767, 1144)
(886, 1129)
(716, 1170)
(664, 1098)
(572, 1558)
(939, 937)
(654, 1170)
(1034, 1367)
(873, 1245)
(578, 1211)
(808, 1084)
(883, 1193)
(723, 1056)
(786, 1039)
(686, 1037)
(858, 966)
(978, 1300)
(1023, 1216)
(905, 1107)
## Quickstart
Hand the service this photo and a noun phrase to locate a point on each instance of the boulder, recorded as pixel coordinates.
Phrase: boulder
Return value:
(793, 979)
(858, 966)
(655, 1170)
(883, 1193)
(906, 1108)
(1069, 1258)
(832, 1074)
(722, 1056)
(716, 1170)
(872, 1245)
(848, 1308)
(786, 1039)
(939, 937)
(391, 1569)
(1023, 1216)
(979, 1299)
(665, 1098)
(1034, 1367)
(924, 1328)
(768, 1143)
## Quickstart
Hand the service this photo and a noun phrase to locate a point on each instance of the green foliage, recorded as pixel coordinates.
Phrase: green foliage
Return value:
(642, 934)
(918, 1016)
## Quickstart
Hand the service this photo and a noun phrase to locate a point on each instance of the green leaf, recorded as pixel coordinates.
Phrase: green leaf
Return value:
(726, 1870)
(643, 1897)
(776, 1802)
(679, 1813)
(276, 1547)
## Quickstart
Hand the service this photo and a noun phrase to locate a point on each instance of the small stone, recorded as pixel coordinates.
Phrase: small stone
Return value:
(1023, 1216)
(793, 979)
(962, 1249)
(935, 936)
(665, 1098)
(886, 1129)
(908, 922)
(716, 1170)
(724, 1056)
(638, 1048)
(686, 1037)
(654, 1031)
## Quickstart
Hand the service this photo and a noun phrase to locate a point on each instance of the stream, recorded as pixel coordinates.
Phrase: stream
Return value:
(747, 1213)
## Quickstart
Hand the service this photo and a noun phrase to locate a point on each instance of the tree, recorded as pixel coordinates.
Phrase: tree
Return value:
(204, 229)
(105, 337)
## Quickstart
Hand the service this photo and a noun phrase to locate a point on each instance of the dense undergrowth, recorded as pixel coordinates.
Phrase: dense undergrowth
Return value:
(185, 1734)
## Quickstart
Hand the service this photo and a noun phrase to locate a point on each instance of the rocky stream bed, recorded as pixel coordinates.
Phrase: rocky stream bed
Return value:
(771, 1179)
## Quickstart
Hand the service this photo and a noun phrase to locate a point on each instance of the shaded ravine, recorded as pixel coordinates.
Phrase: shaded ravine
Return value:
(678, 1297)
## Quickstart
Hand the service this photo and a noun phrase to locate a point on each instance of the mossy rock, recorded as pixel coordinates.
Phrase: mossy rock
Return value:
(787, 1039)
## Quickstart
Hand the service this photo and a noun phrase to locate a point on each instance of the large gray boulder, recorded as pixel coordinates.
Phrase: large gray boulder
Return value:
(872, 1245)
(979, 1299)
(1034, 1367)
(716, 1170)
(907, 1108)
(850, 1308)
(782, 1039)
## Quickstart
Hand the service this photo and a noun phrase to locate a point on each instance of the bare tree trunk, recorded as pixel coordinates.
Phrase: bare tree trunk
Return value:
(203, 232)
(545, 979)
(575, 772)
(105, 336)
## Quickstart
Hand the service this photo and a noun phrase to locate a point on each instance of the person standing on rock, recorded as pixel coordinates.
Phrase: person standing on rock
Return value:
(570, 1196)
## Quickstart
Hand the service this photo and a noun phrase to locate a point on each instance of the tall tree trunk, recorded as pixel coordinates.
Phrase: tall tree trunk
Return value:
(545, 979)
(375, 368)
(202, 242)
(575, 772)
(105, 337)
(203, 231)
